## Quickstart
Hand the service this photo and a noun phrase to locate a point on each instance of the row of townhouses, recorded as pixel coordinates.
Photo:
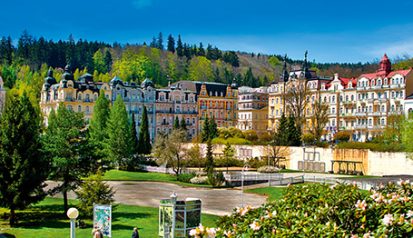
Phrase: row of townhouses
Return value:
(360, 105)
(189, 101)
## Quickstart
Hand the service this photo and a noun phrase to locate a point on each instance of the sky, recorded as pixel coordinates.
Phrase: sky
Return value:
(332, 31)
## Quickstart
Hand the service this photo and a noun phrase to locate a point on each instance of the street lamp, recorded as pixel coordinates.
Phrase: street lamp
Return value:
(72, 213)
(245, 168)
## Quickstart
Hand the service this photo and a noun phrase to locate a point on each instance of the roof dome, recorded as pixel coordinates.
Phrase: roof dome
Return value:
(67, 75)
(116, 80)
(50, 80)
(86, 78)
(234, 84)
(146, 83)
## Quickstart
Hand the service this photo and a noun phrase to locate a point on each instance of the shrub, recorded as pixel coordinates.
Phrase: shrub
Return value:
(320, 210)
(216, 179)
(265, 137)
(308, 139)
(342, 136)
(185, 177)
(222, 162)
(268, 169)
(93, 191)
(392, 147)
(199, 180)
(232, 141)
(251, 135)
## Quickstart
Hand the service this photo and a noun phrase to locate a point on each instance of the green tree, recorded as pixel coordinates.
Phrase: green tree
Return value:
(205, 131)
(213, 129)
(229, 153)
(171, 44)
(293, 133)
(179, 47)
(209, 160)
(98, 133)
(183, 124)
(134, 137)
(281, 135)
(274, 61)
(200, 69)
(176, 123)
(144, 141)
(118, 133)
(99, 62)
(93, 191)
(108, 61)
(23, 168)
(65, 143)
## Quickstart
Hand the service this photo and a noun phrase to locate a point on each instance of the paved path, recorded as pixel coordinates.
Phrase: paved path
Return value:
(214, 201)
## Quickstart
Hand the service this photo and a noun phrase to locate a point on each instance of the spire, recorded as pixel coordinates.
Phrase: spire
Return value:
(284, 75)
(305, 71)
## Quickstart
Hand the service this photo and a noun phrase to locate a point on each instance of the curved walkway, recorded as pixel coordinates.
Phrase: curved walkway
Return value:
(214, 201)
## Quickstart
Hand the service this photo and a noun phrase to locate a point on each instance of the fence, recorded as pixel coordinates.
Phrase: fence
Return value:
(286, 181)
(365, 185)
(164, 170)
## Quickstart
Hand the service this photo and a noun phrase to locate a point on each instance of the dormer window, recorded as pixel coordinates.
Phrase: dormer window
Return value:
(385, 82)
(372, 82)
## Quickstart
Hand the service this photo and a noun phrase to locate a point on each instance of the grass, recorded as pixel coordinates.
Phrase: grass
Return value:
(272, 193)
(46, 220)
(119, 175)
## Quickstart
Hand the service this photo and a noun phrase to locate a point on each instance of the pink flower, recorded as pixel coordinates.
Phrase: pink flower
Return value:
(388, 219)
(361, 205)
(255, 226)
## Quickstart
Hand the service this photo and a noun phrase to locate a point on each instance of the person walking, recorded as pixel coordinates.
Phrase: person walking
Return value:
(135, 233)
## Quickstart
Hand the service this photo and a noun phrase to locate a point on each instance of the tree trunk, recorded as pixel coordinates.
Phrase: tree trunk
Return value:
(12, 220)
(65, 205)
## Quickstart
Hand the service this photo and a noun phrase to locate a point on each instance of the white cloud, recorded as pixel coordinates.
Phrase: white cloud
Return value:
(139, 4)
(396, 49)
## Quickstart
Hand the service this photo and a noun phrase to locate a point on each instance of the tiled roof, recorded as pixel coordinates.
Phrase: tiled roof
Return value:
(383, 74)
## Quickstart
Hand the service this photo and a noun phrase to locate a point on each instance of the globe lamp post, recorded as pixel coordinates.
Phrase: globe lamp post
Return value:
(72, 213)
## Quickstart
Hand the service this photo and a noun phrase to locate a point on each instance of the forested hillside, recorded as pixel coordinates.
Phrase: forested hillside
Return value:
(23, 65)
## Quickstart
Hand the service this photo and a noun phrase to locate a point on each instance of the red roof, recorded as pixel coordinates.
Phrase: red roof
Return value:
(382, 74)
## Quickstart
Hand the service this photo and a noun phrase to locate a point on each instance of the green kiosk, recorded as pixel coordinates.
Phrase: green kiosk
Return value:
(178, 217)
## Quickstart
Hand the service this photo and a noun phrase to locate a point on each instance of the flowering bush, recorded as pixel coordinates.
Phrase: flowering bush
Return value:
(199, 180)
(320, 210)
(268, 169)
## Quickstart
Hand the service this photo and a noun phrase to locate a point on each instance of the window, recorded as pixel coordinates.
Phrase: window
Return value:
(79, 108)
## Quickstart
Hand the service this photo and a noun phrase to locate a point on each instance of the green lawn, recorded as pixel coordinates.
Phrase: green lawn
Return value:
(119, 175)
(46, 220)
(273, 193)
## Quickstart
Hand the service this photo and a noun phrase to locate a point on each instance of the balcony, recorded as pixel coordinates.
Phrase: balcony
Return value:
(360, 127)
(376, 114)
(395, 86)
(361, 114)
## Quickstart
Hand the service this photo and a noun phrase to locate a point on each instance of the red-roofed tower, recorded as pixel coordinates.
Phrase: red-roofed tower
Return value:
(385, 65)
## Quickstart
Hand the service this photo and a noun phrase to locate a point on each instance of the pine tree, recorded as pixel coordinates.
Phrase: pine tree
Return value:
(66, 144)
(98, 132)
(118, 133)
(134, 137)
(213, 129)
(294, 134)
(108, 60)
(176, 123)
(183, 124)
(179, 47)
(201, 50)
(205, 131)
(171, 44)
(144, 141)
(159, 43)
(281, 136)
(23, 168)
(209, 163)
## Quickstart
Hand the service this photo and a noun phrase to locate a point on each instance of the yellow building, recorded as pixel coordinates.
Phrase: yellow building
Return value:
(215, 100)
(77, 95)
